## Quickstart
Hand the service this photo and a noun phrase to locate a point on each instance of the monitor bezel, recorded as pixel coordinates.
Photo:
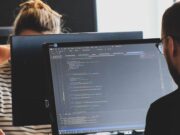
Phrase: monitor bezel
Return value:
(51, 100)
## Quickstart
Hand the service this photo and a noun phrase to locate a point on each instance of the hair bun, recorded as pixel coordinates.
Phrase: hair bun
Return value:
(37, 4)
(34, 4)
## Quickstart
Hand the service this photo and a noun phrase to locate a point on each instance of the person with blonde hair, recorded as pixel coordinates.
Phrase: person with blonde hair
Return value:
(34, 18)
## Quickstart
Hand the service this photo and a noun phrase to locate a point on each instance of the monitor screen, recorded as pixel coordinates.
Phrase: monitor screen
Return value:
(28, 88)
(5, 33)
(105, 86)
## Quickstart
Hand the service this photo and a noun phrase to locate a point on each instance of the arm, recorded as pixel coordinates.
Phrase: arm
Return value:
(4, 53)
(1, 132)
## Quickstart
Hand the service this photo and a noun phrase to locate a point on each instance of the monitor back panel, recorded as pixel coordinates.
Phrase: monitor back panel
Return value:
(28, 87)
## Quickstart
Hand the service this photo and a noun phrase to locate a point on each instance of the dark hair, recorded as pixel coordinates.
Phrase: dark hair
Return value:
(171, 22)
(38, 16)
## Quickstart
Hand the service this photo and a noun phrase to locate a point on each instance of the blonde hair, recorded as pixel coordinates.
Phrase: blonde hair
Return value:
(38, 16)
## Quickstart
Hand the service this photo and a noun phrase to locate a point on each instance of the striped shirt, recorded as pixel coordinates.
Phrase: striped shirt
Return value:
(6, 109)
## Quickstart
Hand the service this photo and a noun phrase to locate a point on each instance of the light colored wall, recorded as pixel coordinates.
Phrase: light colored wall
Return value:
(131, 15)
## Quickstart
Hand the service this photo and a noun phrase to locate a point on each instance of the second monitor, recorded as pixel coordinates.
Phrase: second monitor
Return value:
(29, 90)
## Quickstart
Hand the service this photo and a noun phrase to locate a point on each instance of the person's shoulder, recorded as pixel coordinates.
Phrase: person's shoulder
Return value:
(162, 113)
(167, 100)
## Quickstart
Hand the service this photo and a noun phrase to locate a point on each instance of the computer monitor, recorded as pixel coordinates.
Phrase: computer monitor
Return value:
(5, 33)
(104, 86)
(28, 88)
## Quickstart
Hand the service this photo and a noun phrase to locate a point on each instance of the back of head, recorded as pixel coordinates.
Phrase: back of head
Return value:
(37, 16)
(171, 21)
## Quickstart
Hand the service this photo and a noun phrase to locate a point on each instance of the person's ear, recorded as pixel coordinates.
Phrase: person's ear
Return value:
(172, 47)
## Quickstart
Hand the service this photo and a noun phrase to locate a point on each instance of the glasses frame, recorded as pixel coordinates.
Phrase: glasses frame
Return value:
(160, 46)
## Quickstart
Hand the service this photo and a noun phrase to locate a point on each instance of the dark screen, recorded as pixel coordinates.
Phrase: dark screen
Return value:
(78, 15)
(5, 33)
(106, 88)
